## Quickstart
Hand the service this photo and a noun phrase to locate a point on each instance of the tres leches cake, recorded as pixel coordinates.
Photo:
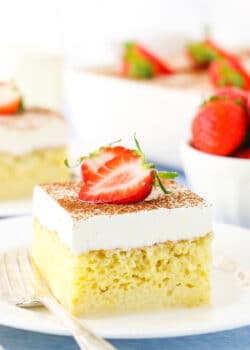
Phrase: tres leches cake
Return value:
(32, 145)
(123, 240)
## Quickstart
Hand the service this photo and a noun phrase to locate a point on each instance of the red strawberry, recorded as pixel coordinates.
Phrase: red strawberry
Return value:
(137, 68)
(123, 179)
(138, 62)
(204, 52)
(219, 127)
(10, 99)
(160, 67)
(97, 159)
(226, 73)
(245, 153)
(235, 94)
(222, 52)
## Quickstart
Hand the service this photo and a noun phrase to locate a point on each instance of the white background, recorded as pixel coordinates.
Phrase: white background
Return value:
(84, 27)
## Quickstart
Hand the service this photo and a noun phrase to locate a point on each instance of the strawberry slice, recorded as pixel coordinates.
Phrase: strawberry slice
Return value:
(221, 52)
(137, 69)
(204, 52)
(10, 99)
(138, 62)
(117, 175)
(122, 180)
(160, 67)
(97, 159)
(227, 73)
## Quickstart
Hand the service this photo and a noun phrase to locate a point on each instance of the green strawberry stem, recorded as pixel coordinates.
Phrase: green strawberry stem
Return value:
(21, 108)
(207, 31)
(112, 143)
(138, 66)
(238, 101)
(90, 155)
(160, 184)
(76, 164)
(167, 174)
(158, 175)
(202, 53)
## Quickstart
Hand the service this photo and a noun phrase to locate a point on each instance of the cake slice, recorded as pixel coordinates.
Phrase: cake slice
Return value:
(117, 258)
(32, 145)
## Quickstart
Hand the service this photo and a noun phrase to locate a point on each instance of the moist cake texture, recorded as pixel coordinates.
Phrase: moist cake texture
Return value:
(32, 150)
(104, 259)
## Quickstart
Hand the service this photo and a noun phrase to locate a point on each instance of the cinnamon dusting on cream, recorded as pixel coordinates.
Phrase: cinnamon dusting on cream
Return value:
(66, 194)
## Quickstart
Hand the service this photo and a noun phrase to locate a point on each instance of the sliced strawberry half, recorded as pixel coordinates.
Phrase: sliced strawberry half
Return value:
(204, 52)
(10, 99)
(122, 180)
(97, 159)
(160, 67)
(221, 51)
(227, 73)
(139, 62)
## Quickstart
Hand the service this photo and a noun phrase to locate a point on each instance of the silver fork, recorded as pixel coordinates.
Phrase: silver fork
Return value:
(22, 286)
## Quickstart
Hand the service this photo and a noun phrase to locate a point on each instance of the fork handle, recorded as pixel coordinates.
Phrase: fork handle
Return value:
(83, 336)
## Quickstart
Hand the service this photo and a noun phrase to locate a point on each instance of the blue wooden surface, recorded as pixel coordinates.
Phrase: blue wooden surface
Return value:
(13, 339)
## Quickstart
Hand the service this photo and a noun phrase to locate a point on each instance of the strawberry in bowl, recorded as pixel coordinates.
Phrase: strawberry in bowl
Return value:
(244, 153)
(237, 95)
(219, 127)
(216, 159)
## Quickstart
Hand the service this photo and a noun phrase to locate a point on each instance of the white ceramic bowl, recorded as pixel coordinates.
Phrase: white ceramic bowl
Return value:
(105, 108)
(224, 181)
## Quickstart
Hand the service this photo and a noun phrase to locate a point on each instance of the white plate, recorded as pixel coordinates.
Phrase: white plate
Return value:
(231, 295)
(19, 207)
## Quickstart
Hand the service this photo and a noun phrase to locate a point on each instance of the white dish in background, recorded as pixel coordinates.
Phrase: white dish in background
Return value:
(15, 207)
(104, 107)
(231, 295)
(116, 108)
(223, 181)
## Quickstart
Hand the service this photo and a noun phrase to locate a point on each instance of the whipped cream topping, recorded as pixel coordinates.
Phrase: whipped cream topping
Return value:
(35, 129)
(112, 228)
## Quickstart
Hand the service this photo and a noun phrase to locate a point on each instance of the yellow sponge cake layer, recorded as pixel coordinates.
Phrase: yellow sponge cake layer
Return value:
(119, 280)
(20, 173)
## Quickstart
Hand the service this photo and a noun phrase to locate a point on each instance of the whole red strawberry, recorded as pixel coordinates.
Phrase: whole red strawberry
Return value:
(245, 153)
(228, 73)
(219, 127)
(237, 95)
(233, 93)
